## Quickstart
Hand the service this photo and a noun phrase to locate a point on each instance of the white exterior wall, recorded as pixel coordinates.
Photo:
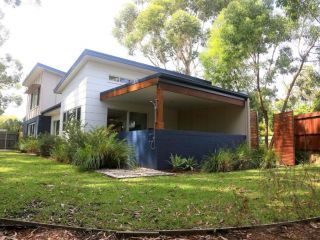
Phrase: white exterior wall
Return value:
(74, 95)
(47, 98)
(94, 111)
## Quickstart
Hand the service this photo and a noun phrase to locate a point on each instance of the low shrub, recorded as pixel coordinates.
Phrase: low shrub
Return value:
(268, 158)
(29, 145)
(180, 163)
(62, 152)
(240, 158)
(221, 161)
(46, 142)
(102, 149)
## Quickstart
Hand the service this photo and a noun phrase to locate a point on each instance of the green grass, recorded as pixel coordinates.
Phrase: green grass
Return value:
(43, 190)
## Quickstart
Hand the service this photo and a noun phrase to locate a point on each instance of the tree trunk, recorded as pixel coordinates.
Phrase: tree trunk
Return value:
(262, 107)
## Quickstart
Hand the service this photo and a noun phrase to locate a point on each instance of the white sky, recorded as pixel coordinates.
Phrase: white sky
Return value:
(56, 33)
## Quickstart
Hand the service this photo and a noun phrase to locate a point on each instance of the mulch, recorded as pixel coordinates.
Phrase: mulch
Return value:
(297, 231)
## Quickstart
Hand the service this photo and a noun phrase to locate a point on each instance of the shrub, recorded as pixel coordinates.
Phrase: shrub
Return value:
(239, 158)
(222, 161)
(176, 162)
(102, 148)
(29, 145)
(46, 142)
(242, 158)
(180, 163)
(62, 152)
(268, 158)
(190, 164)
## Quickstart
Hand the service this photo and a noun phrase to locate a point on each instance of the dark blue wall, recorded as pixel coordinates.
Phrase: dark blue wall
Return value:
(184, 143)
(42, 124)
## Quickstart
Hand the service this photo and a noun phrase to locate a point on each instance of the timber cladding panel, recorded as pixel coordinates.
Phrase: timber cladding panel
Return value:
(307, 131)
(254, 134)
(284, 140)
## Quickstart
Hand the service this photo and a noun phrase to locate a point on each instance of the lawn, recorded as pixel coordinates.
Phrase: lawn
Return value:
(39, 189)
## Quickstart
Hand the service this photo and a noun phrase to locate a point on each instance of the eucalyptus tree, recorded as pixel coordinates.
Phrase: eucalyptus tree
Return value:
(167, 32)
(10, 69)
(254, 45)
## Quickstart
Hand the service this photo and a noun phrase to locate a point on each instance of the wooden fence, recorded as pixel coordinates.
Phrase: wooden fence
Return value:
(301, 132)
(307, 131)
(283, 137)
(8, 140)
(254, 133)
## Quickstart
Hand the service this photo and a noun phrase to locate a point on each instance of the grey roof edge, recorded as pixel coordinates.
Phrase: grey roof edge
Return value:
(91, 53)
(54, 107)
(184, 81)
(45, 67)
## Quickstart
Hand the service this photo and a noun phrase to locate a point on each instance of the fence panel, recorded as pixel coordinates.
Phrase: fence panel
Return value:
(283, 127)
(8, 140)
(254, 133)
(307, 131)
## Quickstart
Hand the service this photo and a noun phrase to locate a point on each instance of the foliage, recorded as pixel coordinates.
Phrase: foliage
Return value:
(253, 46)
(29, 145)
(240, 158)
(61, 151)
(102, 148)
(221, 161)
(46, 143)
(43, 190)
(180, 163)
(167, 31)
(11, 123)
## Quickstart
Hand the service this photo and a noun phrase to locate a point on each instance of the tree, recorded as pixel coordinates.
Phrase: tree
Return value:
(246, 53)
(167, 32)
(10, 123)
(253, 46)
(10, 69)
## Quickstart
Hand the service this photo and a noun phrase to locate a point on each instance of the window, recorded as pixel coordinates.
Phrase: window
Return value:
(31, 129)
(35, 97)
(72, 114)
(119, 79)
(56, 127)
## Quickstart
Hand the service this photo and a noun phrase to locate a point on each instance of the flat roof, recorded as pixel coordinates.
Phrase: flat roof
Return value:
(185, 81)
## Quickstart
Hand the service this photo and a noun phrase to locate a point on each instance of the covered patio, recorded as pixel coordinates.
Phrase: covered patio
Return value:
(165, 114)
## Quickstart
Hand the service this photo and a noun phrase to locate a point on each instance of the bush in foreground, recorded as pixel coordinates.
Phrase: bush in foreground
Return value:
(46, 142)
(29, 145)
(98, 148)
(180, 163)
(240, 158)
(102, 148)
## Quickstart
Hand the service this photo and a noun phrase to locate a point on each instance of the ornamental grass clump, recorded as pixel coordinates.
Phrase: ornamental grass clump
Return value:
(240, 158)
(94, 149)
(103, 149)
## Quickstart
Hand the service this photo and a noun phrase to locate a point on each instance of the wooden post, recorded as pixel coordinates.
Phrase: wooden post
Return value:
(159, 112)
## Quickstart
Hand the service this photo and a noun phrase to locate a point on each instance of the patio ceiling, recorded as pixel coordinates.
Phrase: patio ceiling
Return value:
(171, 100)
(150, 88)
(178, 92)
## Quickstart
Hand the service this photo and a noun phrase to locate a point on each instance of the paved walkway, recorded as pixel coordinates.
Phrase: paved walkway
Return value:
(134, 173)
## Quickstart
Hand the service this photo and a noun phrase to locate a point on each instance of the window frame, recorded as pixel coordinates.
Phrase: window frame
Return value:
(119, 79)
(71, 114)
(31, 129)
(56, 127)
(35, 98)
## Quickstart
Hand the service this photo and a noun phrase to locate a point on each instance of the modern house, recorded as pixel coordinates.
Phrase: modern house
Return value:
(157, 111)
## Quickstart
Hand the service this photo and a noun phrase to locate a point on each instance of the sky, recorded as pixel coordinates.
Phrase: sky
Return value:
(56, 32)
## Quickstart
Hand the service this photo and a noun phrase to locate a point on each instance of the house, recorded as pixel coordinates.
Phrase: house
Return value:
(157, 111)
